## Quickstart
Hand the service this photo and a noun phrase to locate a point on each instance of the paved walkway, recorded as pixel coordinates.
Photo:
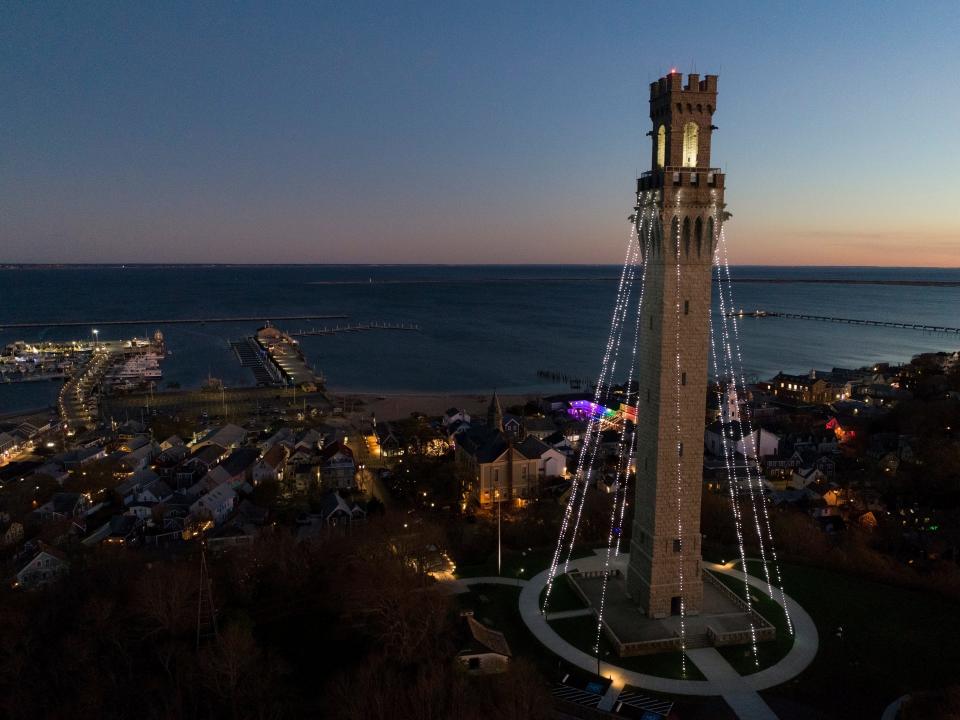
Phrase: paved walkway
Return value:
(609, 698)
(741, 698)
(740, 689)
(462, 585)
(893, 709)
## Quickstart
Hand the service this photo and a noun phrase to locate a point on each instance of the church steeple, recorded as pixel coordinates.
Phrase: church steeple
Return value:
(495, 413)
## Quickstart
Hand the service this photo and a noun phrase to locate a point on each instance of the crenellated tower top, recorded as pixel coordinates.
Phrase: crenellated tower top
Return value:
(682, 120)
(682, 116)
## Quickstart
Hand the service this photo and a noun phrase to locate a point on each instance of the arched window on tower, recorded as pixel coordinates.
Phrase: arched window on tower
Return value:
(661, 146)
(698, 235)
(686, 237)
(691, 134)
(710, 236)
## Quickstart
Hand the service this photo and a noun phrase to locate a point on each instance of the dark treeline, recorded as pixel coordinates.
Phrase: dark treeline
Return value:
(347, 627)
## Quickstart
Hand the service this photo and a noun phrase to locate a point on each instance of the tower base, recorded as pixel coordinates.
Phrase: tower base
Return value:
(722, 620)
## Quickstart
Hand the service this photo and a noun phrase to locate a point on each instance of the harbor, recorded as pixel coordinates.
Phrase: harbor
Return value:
(275, 358)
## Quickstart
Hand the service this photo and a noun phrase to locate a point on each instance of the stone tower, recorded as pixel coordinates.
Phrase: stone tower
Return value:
(679, 202)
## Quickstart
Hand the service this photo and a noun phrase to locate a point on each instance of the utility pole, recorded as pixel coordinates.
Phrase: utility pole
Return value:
(499, 546)
(206, 611)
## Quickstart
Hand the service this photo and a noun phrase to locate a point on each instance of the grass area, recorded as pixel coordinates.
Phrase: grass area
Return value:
(581, 632)
(497, 606)
(741, 657)
(893, 641)
(523, 564)
(562, 596)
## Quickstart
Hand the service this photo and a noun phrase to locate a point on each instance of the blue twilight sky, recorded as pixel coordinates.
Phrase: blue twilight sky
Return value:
(467, 131)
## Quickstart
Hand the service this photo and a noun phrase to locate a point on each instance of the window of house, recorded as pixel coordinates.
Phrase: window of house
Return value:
(677, 547)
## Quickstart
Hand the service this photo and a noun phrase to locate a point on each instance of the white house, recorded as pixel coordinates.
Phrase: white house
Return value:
(454, 415)
(486, 652)
(217, 504)
(759, 443)
(229, 436)
(44, 567)
(140, 458)
(802, 477)
(337, 466)
(271, 465)
(334, 510)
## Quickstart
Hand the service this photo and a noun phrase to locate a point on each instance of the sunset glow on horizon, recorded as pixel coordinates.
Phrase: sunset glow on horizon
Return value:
(491, 133)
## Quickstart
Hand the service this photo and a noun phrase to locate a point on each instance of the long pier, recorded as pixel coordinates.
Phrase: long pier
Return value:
(361, 327)
(848, 321)
(168, 321)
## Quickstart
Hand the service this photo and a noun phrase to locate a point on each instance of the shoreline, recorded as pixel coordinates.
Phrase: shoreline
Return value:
(400, 405)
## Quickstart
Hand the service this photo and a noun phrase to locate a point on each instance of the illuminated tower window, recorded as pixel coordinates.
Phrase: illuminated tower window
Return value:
(690, 135)
(661, 146)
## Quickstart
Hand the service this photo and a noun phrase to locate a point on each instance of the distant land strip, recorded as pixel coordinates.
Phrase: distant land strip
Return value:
(168, 321)
(849, 281)
(608, 278)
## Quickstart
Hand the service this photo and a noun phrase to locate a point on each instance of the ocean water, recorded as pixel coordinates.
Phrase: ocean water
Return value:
(482, 327)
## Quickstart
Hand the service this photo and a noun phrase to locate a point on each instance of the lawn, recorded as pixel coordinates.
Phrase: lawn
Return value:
(562, 596)
(877, 642)
(741, 657)
(581, 632)
(517, 563)
(497, 606)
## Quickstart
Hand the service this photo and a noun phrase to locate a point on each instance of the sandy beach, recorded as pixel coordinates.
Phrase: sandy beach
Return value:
(393, 406)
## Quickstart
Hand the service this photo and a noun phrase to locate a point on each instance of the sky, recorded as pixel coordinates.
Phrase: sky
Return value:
(467, 132)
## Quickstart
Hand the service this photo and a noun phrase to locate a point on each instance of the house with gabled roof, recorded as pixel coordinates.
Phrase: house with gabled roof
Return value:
(44, 567)
(486, 650)
(337, 466)
(503, 469)
(271, 466)
(455, 415)
(334, 510)
(218, 504)
(229, 436)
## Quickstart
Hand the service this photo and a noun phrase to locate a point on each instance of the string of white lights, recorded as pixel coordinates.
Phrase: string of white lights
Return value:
(729, 457)
(747, 437)
(752, 466)
(603, 389)
(727, 434)
(679, 449)
(628, 459)
(623, 466)
(616, 321)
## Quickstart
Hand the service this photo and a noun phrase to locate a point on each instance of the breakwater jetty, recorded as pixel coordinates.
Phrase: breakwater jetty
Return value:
(356, 327)
(169, 321)
(848, 321)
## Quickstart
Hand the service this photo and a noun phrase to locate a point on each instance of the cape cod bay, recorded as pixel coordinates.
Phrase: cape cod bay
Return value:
(481, 327)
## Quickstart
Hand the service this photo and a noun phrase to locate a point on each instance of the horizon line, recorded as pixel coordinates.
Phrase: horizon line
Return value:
(15, 265)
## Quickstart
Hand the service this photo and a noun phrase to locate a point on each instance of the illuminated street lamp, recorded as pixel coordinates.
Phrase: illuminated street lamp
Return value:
(96, 334)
